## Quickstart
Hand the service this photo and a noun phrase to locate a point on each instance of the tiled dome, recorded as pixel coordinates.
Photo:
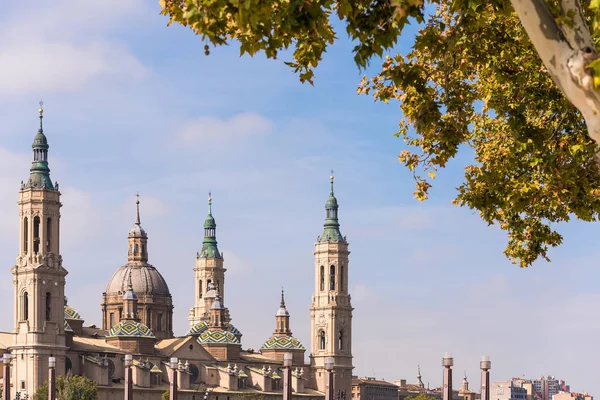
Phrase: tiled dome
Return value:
(130, 328)
(145, 279)
(71, 314)
(197, 329)
(283, 342)
(68, 327)
(202, 326)
(218, 336)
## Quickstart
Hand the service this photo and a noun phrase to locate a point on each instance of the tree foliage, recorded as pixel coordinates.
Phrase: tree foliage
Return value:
(472, 80)
(71, 387)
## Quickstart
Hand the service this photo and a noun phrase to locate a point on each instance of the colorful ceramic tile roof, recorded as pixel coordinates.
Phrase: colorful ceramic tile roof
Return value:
(202, 326)
(70, 313)
(218, 336)
(197, 329)
(283, 342)
(233, 330)
(68, 327)
(130, 328)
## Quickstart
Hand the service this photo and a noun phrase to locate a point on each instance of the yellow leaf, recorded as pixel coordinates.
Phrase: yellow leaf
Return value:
(431, 174)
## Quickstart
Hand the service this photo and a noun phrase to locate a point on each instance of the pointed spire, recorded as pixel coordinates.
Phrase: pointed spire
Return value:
(137, 204)
(129, 283)
(282, 305)
(137, 230)
(331, 233)
(209, 244)
(41, 111)
(419, 380)
(331, 179)
(39, 177)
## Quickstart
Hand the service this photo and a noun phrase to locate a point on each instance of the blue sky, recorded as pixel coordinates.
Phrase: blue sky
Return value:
(132, 105)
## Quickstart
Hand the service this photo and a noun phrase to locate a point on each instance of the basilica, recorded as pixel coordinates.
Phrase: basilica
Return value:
(137, 315)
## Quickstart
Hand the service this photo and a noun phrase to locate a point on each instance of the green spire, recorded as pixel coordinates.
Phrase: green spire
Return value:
(39, 177)
(209, 244)
(331, 233)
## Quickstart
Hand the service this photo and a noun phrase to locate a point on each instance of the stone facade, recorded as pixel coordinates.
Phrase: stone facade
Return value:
(137, 313)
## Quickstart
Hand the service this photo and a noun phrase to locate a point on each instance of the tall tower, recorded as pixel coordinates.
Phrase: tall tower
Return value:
(331, 311)
(209, 272)
(38, 277)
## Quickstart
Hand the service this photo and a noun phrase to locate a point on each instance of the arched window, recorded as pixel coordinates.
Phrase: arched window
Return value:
(48, 306)
(143, 250)
(341, 340)
(48, 234)
(322, 340)
(218, 287)
(36, 234)
(322, 278)
(332, 277)
(68, 365)
(25, 235)
(159, 322)
(194, 373)
(137, 249)
(200, 289)
(341, 278)
(208, 284)
(25, 306)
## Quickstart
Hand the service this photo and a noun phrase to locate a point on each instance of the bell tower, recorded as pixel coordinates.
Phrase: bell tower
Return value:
(38, 276)
(331, 310)
(209, 272)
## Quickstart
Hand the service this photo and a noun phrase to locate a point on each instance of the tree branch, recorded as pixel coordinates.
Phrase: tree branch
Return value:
(565, 50)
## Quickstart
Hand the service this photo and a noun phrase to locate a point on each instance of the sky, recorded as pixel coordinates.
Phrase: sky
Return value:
(132, 105)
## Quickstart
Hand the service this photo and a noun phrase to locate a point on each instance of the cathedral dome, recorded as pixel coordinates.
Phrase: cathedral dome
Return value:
(145, 279)
(283, 342)
(201, 327)
(218, 336)
(129, 328)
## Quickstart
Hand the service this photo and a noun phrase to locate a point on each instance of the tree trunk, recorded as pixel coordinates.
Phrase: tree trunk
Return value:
(565, 51)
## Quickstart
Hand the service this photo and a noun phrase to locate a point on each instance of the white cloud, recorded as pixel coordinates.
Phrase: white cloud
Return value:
(209, 131)
(57, 51)
(44, 67)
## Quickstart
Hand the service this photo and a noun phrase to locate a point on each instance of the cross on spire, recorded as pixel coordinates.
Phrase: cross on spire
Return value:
(209, 203)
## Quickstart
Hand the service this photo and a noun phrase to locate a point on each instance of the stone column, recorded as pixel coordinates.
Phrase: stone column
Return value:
(51, 378)
(173, 383)
(485, 364)
(287, 376)
(447, 363)
(329, 363)
(6, 386)
(128, 377)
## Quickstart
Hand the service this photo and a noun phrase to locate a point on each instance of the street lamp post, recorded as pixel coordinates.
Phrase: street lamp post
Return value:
(287, 376)
(6, 388)
(173, 384)
(128, 377)
(485, 364)
(447, 363)
(51, 378)
(329, 362)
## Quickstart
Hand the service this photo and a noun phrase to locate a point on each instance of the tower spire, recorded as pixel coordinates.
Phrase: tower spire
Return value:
(331, 233)
(137, 204)
(282, 319)
(41, 111)
(39, 174)
(209, 244)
